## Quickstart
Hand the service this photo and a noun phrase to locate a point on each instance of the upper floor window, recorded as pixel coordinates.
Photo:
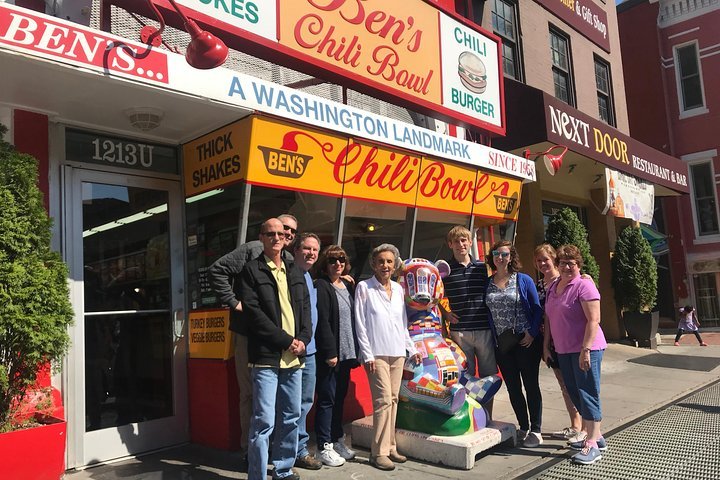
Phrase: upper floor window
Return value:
(504, 22)
(690, 85)
(604, 92)
(470, 9)
(561, 67)
(704, 200)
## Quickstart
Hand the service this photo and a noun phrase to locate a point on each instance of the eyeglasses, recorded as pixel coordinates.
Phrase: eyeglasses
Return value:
(334, 260)
(495, 253)
(274, 234)
(290, 229)
(564, 264)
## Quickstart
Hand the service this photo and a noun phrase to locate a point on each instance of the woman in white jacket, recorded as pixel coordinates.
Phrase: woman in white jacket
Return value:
(384, 343)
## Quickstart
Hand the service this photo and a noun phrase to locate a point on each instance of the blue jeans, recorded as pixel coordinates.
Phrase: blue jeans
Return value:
(276, 394)
(583, 387)
(308, 396)
(332, 387)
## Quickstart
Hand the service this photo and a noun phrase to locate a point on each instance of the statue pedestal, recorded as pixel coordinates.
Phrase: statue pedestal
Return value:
(458, 451)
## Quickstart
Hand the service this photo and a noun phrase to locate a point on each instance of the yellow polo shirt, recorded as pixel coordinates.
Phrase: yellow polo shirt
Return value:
(288, 360)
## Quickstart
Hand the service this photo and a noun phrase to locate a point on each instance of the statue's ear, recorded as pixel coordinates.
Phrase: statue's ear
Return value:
(443, 267)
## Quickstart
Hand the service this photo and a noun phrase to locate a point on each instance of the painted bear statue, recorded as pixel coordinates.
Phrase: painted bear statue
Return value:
(436, 396)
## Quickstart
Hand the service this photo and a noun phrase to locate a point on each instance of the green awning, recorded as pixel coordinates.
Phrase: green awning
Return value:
(658, 241)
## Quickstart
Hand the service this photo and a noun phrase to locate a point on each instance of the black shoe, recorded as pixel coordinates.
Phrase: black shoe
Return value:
(308, 462)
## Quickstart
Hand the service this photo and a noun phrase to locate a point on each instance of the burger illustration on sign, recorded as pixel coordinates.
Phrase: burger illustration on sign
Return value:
(471, 71)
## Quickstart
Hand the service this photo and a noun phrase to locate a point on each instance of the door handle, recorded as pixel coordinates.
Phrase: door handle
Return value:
(178, 323)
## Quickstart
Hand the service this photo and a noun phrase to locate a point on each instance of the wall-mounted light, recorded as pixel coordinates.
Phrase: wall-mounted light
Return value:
(144, 118)
(370, 227)
(553, 162)
(205, 50)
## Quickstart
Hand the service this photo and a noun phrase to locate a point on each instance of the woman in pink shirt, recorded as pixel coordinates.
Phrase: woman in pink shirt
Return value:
(572, 307)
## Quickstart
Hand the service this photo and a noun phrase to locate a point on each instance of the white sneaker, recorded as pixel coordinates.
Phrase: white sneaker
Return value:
(343, 450)
(578, 437)
(330, 457)
(533, 440)
(565, 433)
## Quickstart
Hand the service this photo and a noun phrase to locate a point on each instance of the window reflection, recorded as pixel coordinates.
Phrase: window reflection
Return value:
(430, 231)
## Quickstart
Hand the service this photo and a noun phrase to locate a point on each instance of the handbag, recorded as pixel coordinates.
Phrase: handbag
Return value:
(508, 339)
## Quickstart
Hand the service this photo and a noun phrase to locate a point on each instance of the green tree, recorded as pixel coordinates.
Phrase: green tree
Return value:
(565, 228)
(35, 310)
(634, 272)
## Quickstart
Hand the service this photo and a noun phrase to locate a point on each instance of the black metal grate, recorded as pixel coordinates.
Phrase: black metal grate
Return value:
(680, 442)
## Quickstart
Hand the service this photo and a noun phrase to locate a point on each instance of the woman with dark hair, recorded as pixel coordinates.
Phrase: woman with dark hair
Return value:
(336, 352)
(572, 307)
(546, 264)
(384, 343)
(516, 316)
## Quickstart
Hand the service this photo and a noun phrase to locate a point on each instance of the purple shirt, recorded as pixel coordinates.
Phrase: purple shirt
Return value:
(567, 318)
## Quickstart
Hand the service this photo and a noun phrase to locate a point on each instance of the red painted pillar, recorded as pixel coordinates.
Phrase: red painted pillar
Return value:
(30, 132)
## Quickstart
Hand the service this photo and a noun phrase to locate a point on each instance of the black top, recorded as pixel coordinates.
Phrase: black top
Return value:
(465, 290)
(261, 314)
(327, 336)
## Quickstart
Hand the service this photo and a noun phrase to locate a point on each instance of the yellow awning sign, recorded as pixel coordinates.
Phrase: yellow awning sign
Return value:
(272, 153)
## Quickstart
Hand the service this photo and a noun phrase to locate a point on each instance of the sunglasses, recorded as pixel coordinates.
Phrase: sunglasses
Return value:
(334, 260)
(290, 229)
(274, 234)
(495, 253)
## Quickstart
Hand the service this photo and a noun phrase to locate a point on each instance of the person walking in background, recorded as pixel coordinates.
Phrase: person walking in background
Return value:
(337, 352)
(384, 342)
(305, 250)
(224, 276)
(572, 307)
(468, 317)
(546, 264)
(689, 323)
(516, 315)
(276, 310)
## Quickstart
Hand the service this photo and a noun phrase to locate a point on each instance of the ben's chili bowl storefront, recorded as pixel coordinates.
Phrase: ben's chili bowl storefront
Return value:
(141, 213)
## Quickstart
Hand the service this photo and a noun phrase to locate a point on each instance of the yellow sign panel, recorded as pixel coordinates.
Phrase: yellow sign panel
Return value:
(496, 197)
(209, 334)
(215, 159)
(445, 186)
(377, 40)
(285, 155)
(378, 173)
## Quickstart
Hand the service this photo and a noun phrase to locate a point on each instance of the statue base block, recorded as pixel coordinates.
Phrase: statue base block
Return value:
(458, 451)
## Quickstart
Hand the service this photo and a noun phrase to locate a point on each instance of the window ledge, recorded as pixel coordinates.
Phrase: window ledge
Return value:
(694, 112)
(705, 239)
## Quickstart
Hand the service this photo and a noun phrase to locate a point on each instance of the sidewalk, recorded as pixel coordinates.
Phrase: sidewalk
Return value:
(633, 385)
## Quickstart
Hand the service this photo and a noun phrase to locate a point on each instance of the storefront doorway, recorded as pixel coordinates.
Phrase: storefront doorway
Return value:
(126, 372)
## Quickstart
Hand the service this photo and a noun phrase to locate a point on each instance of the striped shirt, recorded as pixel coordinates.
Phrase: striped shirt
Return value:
(465, 290)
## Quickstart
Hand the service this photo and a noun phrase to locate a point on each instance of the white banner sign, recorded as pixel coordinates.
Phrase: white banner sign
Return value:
(50, 38)
(629, 197)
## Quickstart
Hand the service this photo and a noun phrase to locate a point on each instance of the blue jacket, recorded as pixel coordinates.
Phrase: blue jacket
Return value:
(530, 303)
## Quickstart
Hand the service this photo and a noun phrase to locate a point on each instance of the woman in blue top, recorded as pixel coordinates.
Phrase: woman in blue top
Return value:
(513, 304)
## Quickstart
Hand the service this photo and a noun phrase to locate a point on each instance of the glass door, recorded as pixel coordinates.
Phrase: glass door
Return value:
(126, 368)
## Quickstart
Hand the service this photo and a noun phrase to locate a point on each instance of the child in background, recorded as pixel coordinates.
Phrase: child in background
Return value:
(688, 323)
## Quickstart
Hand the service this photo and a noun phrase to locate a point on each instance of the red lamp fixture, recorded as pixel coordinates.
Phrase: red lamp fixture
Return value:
(205, 50)
(553, 162)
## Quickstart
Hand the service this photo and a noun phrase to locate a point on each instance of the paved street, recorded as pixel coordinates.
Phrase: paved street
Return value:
(637, 384)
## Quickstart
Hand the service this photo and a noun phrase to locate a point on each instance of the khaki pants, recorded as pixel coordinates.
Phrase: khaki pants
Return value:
(244, 387)
(385, 387)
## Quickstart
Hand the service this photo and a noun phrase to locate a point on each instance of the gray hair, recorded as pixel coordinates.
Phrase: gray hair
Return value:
(386, 247)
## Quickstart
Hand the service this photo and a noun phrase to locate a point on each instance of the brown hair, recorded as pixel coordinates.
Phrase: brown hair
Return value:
(514, 265)
(331, 251)
(299, 239)
(547, 249)
(458, 231)
(570, 252)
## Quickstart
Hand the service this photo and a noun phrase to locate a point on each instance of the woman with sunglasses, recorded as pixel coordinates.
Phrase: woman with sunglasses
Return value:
(336, 352)
(516, 316)
(572, 307)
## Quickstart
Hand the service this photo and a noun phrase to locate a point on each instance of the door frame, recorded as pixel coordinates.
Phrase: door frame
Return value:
(85, 448)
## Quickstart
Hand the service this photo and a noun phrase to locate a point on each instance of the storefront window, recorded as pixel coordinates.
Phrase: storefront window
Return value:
(367, 225)
(212, 231)
(315, 213)
(431, 227)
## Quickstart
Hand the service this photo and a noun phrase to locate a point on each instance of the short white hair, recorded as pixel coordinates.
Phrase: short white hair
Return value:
(386, 247)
